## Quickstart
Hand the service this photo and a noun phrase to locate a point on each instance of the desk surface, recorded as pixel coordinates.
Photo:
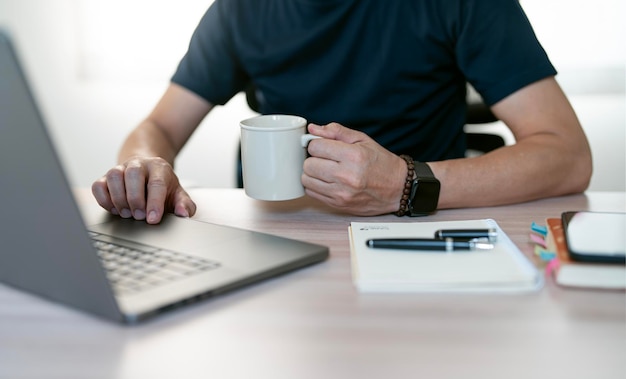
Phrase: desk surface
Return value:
(313, 324)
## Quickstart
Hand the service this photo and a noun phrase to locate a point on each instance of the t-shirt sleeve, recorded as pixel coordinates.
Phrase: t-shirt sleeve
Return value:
(210, 68)
(497, 49)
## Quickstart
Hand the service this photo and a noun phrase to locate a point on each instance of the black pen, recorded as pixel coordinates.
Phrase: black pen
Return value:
(434, 244)
(491, 234)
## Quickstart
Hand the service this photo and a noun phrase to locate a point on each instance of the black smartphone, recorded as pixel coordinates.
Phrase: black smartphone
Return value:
(595, 236)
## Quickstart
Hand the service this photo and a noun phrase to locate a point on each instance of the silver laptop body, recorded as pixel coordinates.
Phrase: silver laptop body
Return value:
(47, 250)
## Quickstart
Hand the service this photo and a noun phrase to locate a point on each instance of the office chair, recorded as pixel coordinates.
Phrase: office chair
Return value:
(477, 113)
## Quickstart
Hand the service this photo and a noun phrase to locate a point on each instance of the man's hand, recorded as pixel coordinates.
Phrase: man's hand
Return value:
(350, 171)
(143, 188)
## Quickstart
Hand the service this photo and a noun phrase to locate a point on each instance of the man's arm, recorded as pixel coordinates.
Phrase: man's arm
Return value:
(551, 155)
(143, 185)
(350, 171)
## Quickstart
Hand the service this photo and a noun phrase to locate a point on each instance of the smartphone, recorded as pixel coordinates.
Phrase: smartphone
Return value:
(595, 236)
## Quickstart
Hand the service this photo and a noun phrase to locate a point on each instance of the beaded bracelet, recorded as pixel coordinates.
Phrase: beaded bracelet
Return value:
(406, 192)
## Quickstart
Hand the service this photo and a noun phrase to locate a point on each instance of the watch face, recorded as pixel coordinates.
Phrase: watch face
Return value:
(426, 196)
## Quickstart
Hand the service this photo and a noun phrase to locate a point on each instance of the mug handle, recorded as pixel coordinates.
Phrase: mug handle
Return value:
(306, 138)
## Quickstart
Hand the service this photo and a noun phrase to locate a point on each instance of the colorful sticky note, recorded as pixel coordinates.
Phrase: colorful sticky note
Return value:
(540, 229)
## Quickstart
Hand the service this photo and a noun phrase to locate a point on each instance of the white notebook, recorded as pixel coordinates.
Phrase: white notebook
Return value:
(501, 269)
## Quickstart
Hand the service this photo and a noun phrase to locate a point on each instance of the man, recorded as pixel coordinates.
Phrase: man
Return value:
(377, 79)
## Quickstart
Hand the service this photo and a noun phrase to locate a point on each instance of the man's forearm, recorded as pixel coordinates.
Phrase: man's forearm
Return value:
(551, 157)
(147, 140)
(518, 173)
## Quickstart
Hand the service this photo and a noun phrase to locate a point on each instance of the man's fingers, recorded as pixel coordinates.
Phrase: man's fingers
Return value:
(100, 191)
(135, 179)
(183, 205)
(337, 132)
(117, 191)
(156, 197)
(143, 188)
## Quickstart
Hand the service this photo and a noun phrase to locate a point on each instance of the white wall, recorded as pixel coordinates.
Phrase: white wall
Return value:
(92, 98)
(586, 41)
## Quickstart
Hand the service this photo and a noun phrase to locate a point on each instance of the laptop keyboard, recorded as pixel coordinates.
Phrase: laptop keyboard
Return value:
(134, 267)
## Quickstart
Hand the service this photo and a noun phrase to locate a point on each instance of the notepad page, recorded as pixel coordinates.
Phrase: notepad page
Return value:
(503, 268)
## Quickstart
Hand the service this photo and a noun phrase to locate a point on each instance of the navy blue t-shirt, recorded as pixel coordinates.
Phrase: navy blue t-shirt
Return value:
(394, 69)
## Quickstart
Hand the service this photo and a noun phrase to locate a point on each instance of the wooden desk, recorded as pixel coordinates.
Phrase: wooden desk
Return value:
(313, 324)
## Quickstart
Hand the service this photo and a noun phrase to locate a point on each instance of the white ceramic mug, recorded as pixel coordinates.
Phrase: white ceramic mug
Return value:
(273, 149)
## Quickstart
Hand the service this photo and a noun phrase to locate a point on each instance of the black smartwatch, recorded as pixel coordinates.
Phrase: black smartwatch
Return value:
(424, 194)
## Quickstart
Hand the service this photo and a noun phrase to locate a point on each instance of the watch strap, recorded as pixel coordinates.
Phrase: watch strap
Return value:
(424, 191)
(423, 170)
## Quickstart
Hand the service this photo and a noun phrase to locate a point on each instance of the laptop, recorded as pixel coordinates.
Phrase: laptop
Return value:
(119, 269)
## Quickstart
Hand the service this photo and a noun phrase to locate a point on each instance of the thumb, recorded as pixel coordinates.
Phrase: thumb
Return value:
(183, 205)
(337, 132)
